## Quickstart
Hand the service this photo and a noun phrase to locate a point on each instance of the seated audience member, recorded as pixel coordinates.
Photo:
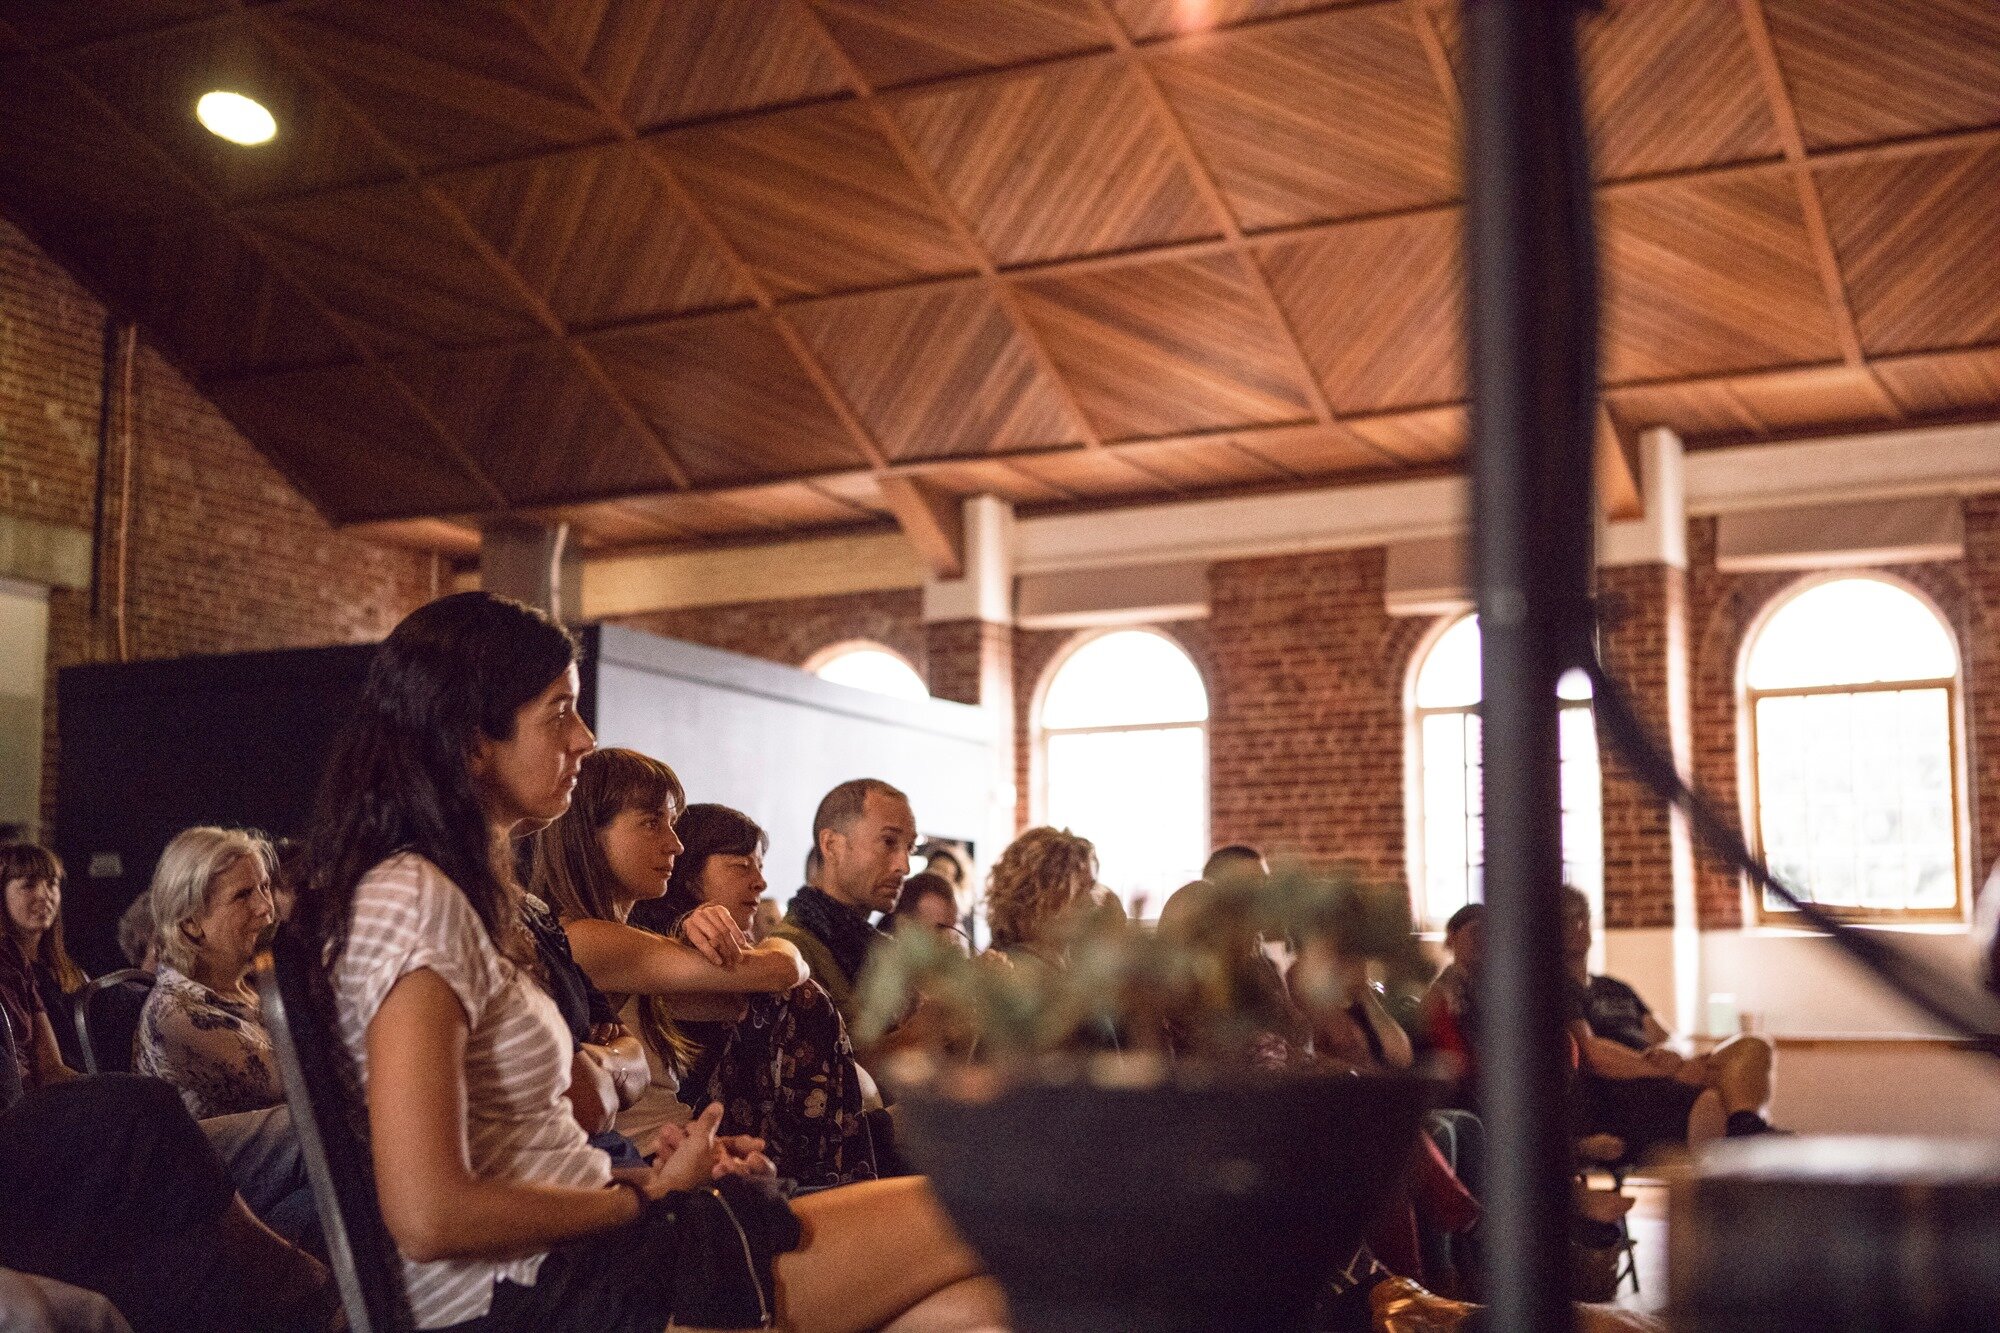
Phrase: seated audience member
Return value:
(1287, 1041)
(466, 732)
(927, 900)
(137, 939)
(201, 1029)
(111, 1186)
(1634, 1086)
(1446, 1017)
(1040, 876)
(778, 1060)
(1237, 858)
(602, 867)
(863, 832)
(765, 919)
(29, 913)
(947, 863)
(32, 879)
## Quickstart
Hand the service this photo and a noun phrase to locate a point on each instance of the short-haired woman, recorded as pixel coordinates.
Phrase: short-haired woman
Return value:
(201, 1029)
(466, 735)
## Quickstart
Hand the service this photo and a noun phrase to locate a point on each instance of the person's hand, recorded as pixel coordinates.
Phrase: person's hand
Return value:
(1664, 1062)
(714, 934)
(742, 1155)
(684, 1156)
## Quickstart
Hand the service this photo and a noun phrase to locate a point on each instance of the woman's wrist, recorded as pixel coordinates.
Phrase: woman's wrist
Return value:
(638, 1192)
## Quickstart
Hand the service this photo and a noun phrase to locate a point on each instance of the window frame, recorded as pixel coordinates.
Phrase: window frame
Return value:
(1750, 777)
(1415, 818)
(1039, 732)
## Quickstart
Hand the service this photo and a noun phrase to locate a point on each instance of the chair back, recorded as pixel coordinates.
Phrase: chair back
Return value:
(107, 1018)
(363, 1257)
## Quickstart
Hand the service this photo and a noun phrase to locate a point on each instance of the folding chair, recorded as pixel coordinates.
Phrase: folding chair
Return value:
(364, 1258)
(107, 1018)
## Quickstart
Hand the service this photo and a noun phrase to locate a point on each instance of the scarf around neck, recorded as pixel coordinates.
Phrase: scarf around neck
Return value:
(844, 931)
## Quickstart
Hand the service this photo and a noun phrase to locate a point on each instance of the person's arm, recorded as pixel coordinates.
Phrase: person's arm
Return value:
(49, 1066)
(625, 1059)
(624, 960)
(216, 1049)
(592, 1093)
(1397, 1052)
(1607, 1059)
(433, 1204)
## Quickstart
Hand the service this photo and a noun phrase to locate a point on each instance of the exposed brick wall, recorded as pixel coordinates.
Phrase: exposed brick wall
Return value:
(1643, 640)
(790, 632)
(222, 555)
(1306, 720)
(1723, 607)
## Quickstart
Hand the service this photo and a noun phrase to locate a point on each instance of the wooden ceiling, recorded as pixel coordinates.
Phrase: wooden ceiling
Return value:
(699, 270)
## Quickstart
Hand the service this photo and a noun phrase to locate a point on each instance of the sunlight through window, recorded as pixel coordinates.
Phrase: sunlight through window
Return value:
(1124, 747)
(1851, 696)
(867, 667)
(1447, 840)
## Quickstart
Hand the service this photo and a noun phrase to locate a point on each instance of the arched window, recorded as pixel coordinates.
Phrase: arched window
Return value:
(1447, 834)
(869, 666)
(1123, 736)
(1850, 701)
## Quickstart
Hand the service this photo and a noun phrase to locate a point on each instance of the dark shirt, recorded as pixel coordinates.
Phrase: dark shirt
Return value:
(582, 1005)
(1616, 1013)
(61, 1007)
(20, 1005)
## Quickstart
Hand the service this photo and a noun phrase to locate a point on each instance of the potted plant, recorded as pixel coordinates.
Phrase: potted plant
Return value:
(1128, 1144)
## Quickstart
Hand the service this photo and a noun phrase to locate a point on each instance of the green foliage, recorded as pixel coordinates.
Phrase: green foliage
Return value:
(1198, 984)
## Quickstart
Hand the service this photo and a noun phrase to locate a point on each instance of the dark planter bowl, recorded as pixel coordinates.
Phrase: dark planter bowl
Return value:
(1217, 1206)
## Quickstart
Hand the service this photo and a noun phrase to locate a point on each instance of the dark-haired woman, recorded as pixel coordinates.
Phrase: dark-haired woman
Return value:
(466, 735)
(785, 1070)
(36, 974)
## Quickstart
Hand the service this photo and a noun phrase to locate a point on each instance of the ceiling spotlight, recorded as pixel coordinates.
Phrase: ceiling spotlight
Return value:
(234, 117)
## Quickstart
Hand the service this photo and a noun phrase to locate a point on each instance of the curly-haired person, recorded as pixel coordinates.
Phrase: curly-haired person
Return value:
(1040, 875)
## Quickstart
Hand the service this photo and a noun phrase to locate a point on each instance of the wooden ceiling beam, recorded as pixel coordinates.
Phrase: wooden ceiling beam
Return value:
(962, 235)
(282, 270)
(933, 520)
(1785, 116)
(498, 264)
(760, 291)
(1203, 178)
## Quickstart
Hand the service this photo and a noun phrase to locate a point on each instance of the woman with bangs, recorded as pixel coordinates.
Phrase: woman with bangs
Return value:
(467, 736)
(724, 1020)
(37, 977)
(616, 847)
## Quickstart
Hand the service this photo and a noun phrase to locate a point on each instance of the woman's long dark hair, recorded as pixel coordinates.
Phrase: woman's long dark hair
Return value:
(572, 874)
(453, 673)
(705, 831)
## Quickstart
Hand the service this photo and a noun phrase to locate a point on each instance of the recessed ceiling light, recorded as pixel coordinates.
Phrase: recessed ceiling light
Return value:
(234, 117)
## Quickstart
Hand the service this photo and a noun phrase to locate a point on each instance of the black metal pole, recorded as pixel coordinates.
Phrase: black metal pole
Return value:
(1533, 346)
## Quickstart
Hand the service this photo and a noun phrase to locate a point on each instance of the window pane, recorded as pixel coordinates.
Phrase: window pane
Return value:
(1452, 808)
(875, 669)
(1142, 798)
(1128, 678)
(1854, 631)
(1855, 797)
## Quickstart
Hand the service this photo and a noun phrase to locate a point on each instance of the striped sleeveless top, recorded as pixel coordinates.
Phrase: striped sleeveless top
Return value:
(408, 916)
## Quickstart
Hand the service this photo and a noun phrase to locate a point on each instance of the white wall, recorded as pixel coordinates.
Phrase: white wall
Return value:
(24, 637)
(771, 740)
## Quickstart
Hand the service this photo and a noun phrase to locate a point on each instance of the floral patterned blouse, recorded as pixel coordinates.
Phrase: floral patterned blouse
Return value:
(215, 1051)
